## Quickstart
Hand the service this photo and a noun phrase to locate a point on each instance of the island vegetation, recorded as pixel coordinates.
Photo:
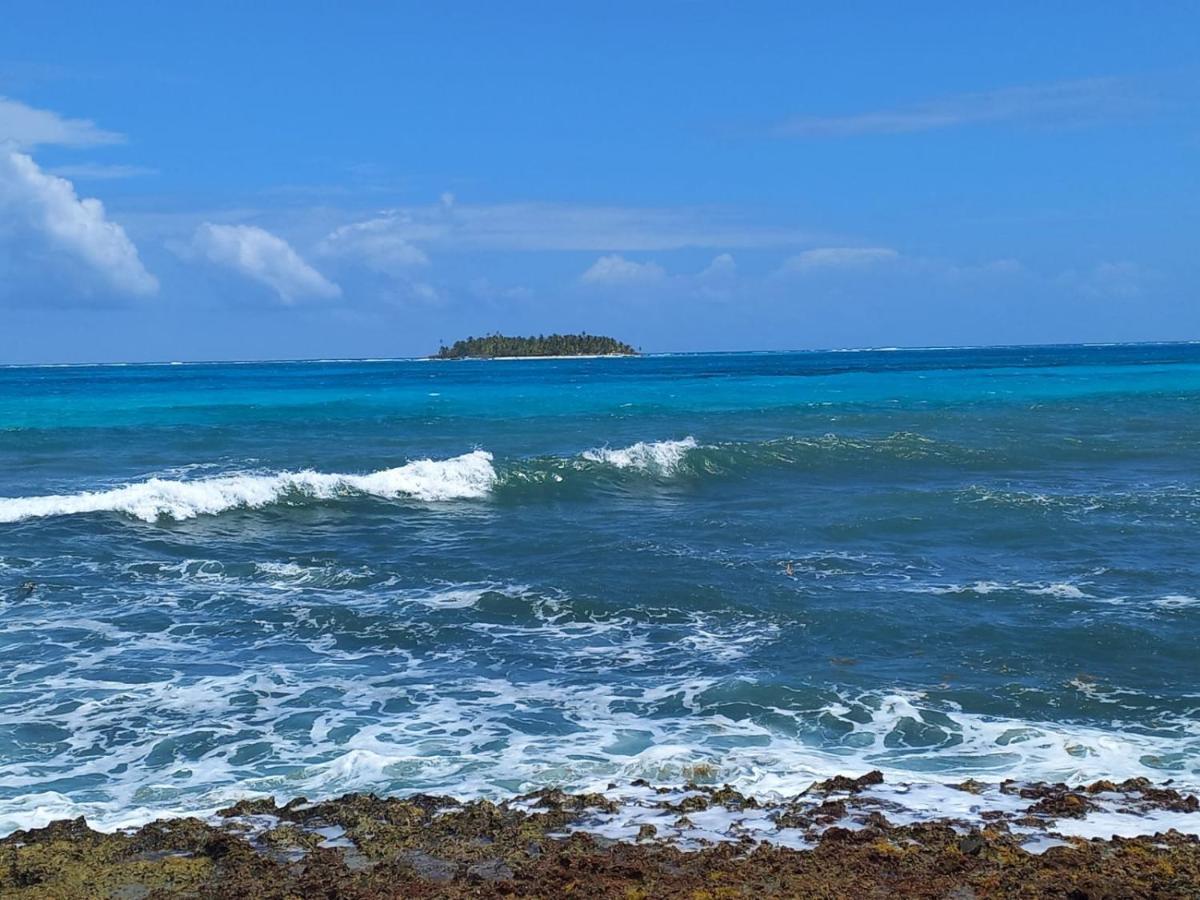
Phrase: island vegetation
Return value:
(497, 345)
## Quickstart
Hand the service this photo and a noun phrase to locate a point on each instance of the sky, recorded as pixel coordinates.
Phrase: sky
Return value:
(279, 180)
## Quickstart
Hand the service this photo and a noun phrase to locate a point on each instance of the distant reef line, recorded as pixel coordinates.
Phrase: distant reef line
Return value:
(495, 346)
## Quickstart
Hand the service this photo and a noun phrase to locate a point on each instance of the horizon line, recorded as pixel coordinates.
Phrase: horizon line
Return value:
(432, 357)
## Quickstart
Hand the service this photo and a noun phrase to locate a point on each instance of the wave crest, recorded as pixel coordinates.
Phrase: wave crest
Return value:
(461, 477)
(473, 475)
(662, 457)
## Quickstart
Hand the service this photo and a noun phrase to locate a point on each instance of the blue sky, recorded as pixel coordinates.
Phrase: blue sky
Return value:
(271, 180)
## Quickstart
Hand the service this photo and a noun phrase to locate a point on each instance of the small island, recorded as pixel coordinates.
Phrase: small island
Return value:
(496, 346)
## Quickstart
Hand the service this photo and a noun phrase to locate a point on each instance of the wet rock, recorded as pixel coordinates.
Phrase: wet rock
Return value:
(1148, 795)
(971, 844)
(729, 798)
(971, 786)
(697, 803)
(848, 785)
(425, 846)
(355, 861)
(800, 816)
(490, 870)
(428, 867)
(1058, 802)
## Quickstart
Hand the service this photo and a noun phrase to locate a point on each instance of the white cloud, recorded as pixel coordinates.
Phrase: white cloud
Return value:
(45, 210)
(839, 258)
(1064, 102)
(722, 268)
(406, 294)
(263, 257)
(987, 271)
(28, 127)
(1108, 280)
(100, 171)
(618, 270)
(484, 289)
(455, 226)
(377, 244)
(719, 278)
(426, 293)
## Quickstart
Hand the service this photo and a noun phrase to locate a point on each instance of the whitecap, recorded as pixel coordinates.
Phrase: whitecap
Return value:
(662, 457)
(1062, 591)
(469, 476)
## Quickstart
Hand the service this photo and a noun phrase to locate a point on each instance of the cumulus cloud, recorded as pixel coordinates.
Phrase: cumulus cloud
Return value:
(263, 257)
(839, 258)
(719, 278)
(617, 270)
(722, 268)
(28, 127)
(377, 244)
(43, 211)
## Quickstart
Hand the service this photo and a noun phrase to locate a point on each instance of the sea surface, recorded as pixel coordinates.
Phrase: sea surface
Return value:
(484, 577)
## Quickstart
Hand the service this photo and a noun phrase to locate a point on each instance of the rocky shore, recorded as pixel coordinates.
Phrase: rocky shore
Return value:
(842, 838)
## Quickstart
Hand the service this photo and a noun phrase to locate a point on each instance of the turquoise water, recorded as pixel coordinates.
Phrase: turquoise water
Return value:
(481, 577)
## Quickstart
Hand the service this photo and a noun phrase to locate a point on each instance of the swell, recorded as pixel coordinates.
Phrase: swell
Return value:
(477, 475)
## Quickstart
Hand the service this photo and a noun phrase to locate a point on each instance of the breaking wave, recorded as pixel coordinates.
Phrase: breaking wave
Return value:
(660, 456)
(462, 477)
(475, 475)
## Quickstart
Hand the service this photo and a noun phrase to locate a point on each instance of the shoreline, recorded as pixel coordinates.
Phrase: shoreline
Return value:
(531, 356)
(845, 836)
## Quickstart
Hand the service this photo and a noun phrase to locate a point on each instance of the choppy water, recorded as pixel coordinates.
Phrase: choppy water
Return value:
(482, 577)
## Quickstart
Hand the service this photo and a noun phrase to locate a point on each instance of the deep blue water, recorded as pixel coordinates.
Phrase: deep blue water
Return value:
(480, 577)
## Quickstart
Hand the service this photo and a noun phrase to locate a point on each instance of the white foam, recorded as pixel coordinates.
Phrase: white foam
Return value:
(900, 803)
(662, 457)
(462, 477)
(1059, 590)
(1062, 591)
(293, 709)
(1176, 601)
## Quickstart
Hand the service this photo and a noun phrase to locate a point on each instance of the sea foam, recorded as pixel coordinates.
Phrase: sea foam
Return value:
(461, 477)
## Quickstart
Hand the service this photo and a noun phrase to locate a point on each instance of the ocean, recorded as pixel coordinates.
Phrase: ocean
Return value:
(478, 578)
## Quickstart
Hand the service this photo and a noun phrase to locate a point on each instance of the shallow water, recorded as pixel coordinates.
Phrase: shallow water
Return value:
(482, 577)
